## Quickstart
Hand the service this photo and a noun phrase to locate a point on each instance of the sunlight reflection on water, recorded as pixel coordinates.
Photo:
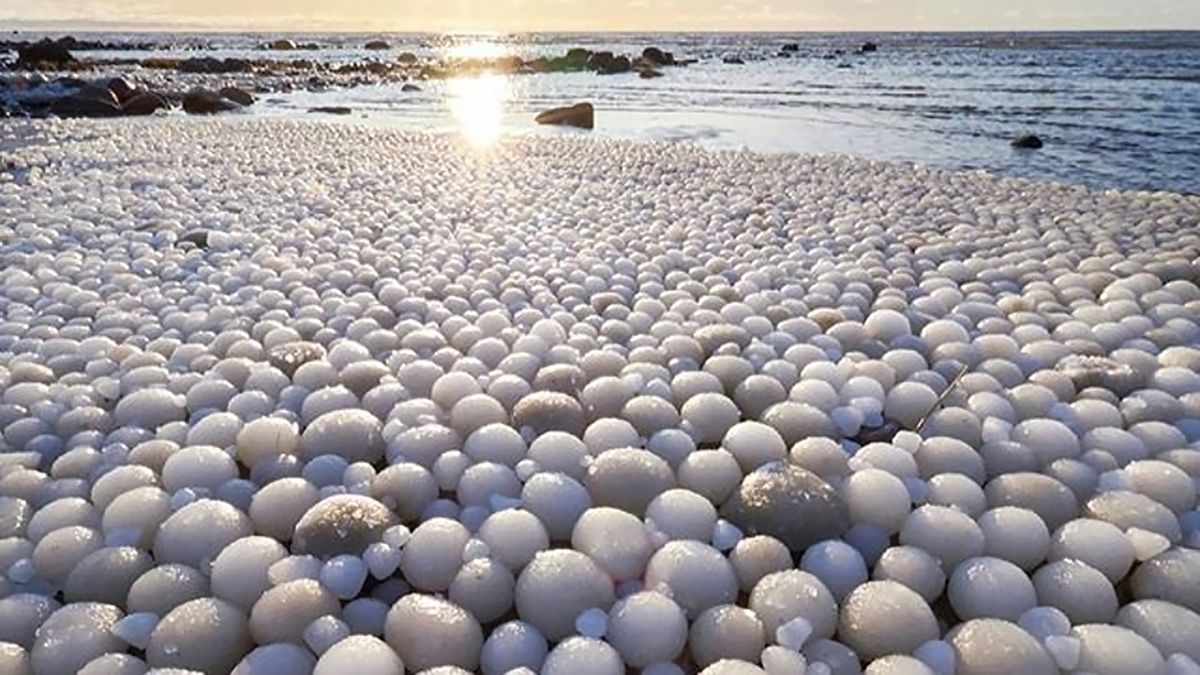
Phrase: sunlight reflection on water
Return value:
(478, 102)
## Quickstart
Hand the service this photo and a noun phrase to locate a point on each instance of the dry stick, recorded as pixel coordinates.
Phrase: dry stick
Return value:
(938, 403)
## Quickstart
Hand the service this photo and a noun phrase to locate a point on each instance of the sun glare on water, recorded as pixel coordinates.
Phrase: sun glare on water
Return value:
(477, 104)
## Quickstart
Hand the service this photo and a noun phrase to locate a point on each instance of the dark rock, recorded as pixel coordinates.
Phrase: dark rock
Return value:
(868, 47)
(409, 86)
(237, 95)
(206, 102)
(121, 88)
(145, 103)
(791, 47)
(84, 105)
(67, 83)
(283, 45)
(1029, 142)
(581, 115)
(214, 65)
(788, 503)
(44, 53)
(649, 73)
(289, 356)
(734, 60)
(331, 110)
(341, 524)
(197, 238)
(579, 54)
(377, 45)
(407, 59)
(658, 57)
(605, 63)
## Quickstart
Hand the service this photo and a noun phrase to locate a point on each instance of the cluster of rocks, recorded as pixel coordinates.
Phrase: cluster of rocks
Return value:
(38, 96)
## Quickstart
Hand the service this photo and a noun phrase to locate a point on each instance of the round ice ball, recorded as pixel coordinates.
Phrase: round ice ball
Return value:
(1015, 534)
(196, 533)
(428, 632)
(754, 444)
(341, 524)
(725, 632)
(885, 617)
(785, 596)
(556, 587)
(163, 588)
(837, 564)
(364, 654)
(1168, 626)
(557, 500)
(74, 635)
(283, 612)
(1095, 542)
(239, 572)
(278, 506)
(788, 503)
(755, 557)
(694, 574)
(108, 664)
(994, 646)
(682, 514)
(583, 656)
(877, 498)
(513, 645)
(266, 437)
(1173, 575)
(513, 537)
(950, 535)
(1078, 589)
(1113, 650)
(647, 628)
(628, 479)
(350, 433)
(990, 588)
(106, 574)
(708, 416)
(206, 634)
(280, 657)
(484, 587)
(913, 567)
(434, 554)
(617, 541)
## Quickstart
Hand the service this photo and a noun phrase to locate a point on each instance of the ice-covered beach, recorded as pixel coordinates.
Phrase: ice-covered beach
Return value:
(305, 397)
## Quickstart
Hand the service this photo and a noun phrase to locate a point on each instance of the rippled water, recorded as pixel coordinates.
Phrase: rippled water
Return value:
(1115, 109)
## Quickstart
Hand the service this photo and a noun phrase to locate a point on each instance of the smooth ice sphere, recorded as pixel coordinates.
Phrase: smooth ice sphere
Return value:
(697, 575)
(513, 537)
(1173, 575)
(165, 587)
(938, 655)
(1042, 622)
(885, 617)
(558, 501)
(1078, 589)
(1169, 627)
(1064, 650)
(713, 474)
(293, 568)
(324, 632)
(205, 634)
(788, 503)
(74, 635)
(382, 559)
(878, 498)
(754, 444)
(783, 596)
(136, 628)
(778, 660)
(434, 554)
(341, 524)
(1015, 534)
(283, 612)
(1095, 542)
(794, 633)
(949, 535)
(899, 664)
(909, 402)
(266, 437)
(240, 573)
(513, 645)
(755, 557)
(725, 632)
(1109, 650)
(592, 623)
(427, 632)
(556, 587)
(997, 646)
(628, 479)
(647, 628)
(485, 588)
(837, 564)
(352, 434)
(195, 534)
(617, 541)
(365, 616)
(583, 656)
(344, 575)
(360, 654)
(682, 514)
(280, 657)
(990, 588)
(109, 664)
(725, 535)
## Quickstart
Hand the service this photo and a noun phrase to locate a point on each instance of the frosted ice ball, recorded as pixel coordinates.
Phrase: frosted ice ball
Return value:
(434, 554)
(57, 553)
(788, 503)
(736, 667)
(165, 587)
(783, 596)
(1110, 650)
(206, 634)
(513, 537)
(708, 416)
(754, 444)
(1081, 591)
(608, 434)
(628, 479)
(725, 632)
(696, 574)
(196, 533)
(108, 664)
(990, 588)
(647, 628)
(755, 557)
(549, 411)
(513, 645)
(283, 612)
(239, 572)
(405, 488)
(14, 659)
(909, 402)
(878, 498)
(1173, 576)
(617, 541)
(913, 567)
(485, 588)
(950, 535)
(557, 500)
(1095, 542)
(1015, 534)
(428, 632)
(1169, 627)
(898, 664)
(363, 654)
(994, 646)
(556, 587)
(583, 656)
(341, 524)
(713, 474)
(559, 452)
(106, 574)
(352, 434)
(20, 616)
(74, 635)
(884, 617)
(281, 657)
(278, 506)
(498, 443)
(682, 514)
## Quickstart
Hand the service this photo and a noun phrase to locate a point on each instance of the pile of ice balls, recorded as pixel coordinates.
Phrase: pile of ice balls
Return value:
(578, 408)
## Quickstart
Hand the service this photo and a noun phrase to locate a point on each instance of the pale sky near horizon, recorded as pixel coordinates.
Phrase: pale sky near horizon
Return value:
(589, 15)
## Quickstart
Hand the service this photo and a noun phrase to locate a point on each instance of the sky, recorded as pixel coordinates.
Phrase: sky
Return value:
(594, 15)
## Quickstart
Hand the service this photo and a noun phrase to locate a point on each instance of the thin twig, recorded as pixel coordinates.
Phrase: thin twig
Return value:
(938, 403)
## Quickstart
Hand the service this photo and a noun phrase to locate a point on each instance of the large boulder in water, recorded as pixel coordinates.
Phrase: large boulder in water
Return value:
(206, 102)
(788, 503)
(44, 53)
(1029, 142)
(580, 115)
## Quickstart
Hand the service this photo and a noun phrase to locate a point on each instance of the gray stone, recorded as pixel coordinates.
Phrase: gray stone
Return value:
(788, 503)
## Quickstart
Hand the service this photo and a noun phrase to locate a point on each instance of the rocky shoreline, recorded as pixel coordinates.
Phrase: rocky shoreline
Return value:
(49, 78)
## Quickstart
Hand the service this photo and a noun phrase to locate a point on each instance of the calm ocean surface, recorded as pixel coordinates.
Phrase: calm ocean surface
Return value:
(1115, 109)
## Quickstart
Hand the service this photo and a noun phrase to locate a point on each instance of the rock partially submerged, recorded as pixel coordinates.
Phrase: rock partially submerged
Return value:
(331, 110)
(1028, 142)
(377, 45)
(45, 53)
(580, 115)
(201, 101)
